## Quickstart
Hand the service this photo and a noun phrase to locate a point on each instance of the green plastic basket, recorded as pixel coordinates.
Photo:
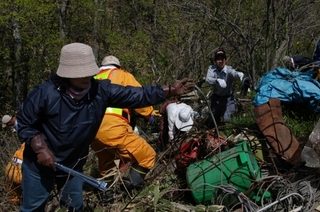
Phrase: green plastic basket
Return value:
(236, 167)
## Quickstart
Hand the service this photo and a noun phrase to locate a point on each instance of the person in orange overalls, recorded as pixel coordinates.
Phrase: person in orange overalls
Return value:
(116, 138)
(13, 174)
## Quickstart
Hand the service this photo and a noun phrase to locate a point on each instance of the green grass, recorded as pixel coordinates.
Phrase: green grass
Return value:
(300, 121)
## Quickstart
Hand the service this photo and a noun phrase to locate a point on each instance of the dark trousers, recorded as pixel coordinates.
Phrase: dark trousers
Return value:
(37, 188)
(222, 108)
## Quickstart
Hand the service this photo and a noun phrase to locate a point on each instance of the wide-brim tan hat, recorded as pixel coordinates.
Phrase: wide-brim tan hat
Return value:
(77, 61)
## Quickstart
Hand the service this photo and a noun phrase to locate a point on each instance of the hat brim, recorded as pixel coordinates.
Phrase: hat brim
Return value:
(87, 70)
(184, 126)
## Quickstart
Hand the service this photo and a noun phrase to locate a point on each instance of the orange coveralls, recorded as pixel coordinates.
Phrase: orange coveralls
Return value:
(115, 138)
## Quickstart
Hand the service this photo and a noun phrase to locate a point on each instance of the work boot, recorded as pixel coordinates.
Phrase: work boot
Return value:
(135, 180)
(270, 121)
(106, 197)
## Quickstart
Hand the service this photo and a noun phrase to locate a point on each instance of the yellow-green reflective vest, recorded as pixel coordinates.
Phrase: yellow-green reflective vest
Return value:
(120, 112)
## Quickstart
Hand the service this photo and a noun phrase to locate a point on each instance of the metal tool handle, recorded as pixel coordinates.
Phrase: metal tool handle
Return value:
(90, 180)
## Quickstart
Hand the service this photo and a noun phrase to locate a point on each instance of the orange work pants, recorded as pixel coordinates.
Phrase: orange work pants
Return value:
(116, 140)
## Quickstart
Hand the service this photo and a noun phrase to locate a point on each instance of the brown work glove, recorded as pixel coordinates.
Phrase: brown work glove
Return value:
(180, 87)
(44, 155)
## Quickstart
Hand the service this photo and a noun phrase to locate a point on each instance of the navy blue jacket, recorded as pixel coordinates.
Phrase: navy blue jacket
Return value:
(69, 127)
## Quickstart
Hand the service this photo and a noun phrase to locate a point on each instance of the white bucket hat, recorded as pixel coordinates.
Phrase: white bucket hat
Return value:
(77, 61)
(110, 60)
(5, 120)
(184, 120)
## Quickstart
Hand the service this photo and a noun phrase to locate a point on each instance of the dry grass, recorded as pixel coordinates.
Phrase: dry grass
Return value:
(9, 144)
(166, 189)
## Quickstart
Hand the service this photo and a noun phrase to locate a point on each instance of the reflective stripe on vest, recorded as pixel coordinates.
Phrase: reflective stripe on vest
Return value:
(16, 161)
(104, 74)
(122, 113)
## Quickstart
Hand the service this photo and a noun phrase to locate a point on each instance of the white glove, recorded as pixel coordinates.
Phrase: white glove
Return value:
(240, 74)
(195, 115)
(171, 137)
(222, 83)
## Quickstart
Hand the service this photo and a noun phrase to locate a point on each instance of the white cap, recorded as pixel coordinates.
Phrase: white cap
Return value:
(110, 60)
(184, 120)
(286, 59)
(5, 120)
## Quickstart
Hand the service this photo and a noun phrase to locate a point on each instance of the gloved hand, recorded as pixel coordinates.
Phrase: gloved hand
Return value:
(152, 119)
(156, 113)
(240, 74)
(195, 115)
(171, 136)
(180, 87)
(44, 155)
(222, 83)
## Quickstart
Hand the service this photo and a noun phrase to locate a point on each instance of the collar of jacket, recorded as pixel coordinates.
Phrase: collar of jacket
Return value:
(107, 67)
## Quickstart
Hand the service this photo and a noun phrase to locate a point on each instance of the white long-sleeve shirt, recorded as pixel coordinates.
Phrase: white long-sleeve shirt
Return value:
(228, 74)
(173, 110)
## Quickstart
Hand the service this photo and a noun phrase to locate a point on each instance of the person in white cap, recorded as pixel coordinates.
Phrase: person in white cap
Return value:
(9, 121)
(13, 174)
(59, 119)
(288, 63)
(180, 118)
(176, 118)
(116, 138)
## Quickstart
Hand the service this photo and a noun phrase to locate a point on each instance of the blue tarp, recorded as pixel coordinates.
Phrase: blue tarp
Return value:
(289, 87)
